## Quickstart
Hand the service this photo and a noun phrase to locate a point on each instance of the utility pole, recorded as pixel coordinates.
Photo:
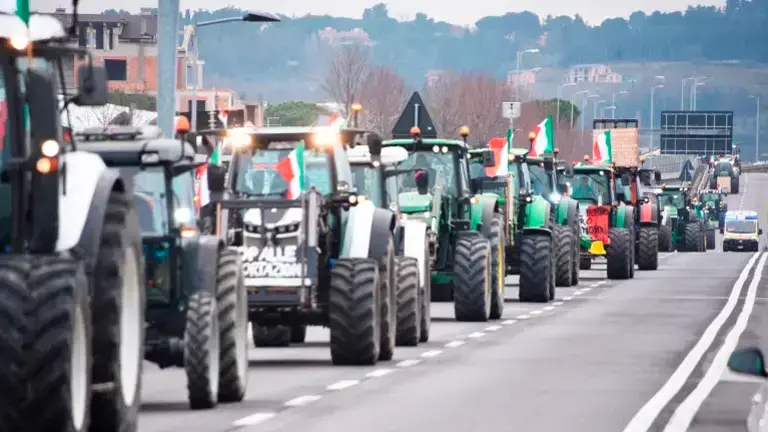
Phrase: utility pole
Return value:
(167, 28)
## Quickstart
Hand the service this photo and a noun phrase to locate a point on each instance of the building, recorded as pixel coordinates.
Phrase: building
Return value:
(336, 38)
(126, 45)
(522, 79)
(593, 74)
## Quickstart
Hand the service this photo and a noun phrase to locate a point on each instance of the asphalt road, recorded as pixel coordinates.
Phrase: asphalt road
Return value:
(586, 362)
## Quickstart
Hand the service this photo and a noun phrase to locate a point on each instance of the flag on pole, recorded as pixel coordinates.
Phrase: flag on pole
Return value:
(601, 148)
(500, 147)
(223, 116)
(203, 195)
(291, 169)
(337, 121)
(543, 138)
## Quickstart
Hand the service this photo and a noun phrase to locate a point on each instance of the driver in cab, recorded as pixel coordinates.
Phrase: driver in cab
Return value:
(584, 189)
(422, 167)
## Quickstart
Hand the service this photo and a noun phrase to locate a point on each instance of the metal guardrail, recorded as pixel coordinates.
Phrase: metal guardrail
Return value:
(761, 166)
(670, 166)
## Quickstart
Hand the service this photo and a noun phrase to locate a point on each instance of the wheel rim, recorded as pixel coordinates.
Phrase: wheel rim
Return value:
(213, 353)
(78, 372)
(130, 327)
(241, 327)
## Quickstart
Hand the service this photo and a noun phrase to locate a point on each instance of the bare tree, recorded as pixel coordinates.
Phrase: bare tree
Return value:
(382, 97)
(96, 116)
(443, 103)
(346, 75)
(481, 97)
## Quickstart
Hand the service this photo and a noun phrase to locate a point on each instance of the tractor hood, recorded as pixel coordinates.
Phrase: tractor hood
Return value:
(413, 202)
(671, 211)
(273, 218)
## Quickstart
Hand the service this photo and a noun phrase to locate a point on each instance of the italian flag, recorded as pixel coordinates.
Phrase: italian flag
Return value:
(500, 147)
(544, 141)
(203, 195)
(601, 148)
(337, 122)
(223, 117)
(291, 169)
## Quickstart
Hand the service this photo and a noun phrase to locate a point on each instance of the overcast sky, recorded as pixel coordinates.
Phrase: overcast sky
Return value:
(454, 11)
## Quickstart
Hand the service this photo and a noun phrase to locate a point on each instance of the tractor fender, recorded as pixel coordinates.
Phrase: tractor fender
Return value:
(368, 229)
(629, 218)
(537, 214)
(83, 204)
(649, 214)
(199, 263)
(570, 210)
(414, 239)
(537, 230)
(476, 211)
(487, 207)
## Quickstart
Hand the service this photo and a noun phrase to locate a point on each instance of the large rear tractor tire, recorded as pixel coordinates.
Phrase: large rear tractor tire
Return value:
(354, 312)
(648, 249)
(118, 305)
(408, 301)
(472, 276)
(499, 267)
(14, 301)
(563, 256)
(735, 186)
(426, 299)
(536, 267)
(58, 342)
(619, 253)
(232, 301)
(665, 239)
(388, 298)
(711, 239)
(202, 351)
(692, 239)
(576, 257)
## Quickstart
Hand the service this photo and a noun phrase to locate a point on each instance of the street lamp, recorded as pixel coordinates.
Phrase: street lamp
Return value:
(594, 107)
(757, 126)
(613, 102)
(584, 107)
(602, 110)
(694, 93)
(356, 108)
(517, 69)
(249, 17)
(583, 92)
(653, 90)
(559, 96)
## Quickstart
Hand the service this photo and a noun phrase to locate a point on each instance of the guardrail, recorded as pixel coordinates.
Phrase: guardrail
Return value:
(755, 167)
(670, 166)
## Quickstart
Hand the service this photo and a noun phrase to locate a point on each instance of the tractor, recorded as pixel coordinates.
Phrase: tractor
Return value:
(71, 263)
(645, 230)
(610, 222)
(725, 177)
(310, 256)
(687, 228)
(716, 205)
(376, 181)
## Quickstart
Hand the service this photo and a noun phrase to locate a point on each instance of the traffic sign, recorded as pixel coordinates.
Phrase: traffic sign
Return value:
(510, 110)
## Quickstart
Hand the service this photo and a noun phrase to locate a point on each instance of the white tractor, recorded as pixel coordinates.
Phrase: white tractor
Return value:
(71, 272)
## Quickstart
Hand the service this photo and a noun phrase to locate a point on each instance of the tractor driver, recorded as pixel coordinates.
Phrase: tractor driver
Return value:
(421, 163)
(584, 189)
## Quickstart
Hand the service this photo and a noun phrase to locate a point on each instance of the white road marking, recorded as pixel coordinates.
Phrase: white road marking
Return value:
(567, 298)
(523, 316)
(536, 312)
(647, 415)
(253, 419)
(509, 322)
(557, 303)
(577, 293)
(408, 363)
(476, 335)
(341, 385)
(379, 373)
(432, 353)
(302, 400)
(493, 328)
(686, 411)
(602, 282)
(586, 289)
(549, 308)
(454, 344)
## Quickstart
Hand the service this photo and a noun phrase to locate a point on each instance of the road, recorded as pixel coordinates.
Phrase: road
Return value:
(606, 356)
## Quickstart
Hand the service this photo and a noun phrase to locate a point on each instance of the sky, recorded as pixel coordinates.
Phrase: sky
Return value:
(453, 11)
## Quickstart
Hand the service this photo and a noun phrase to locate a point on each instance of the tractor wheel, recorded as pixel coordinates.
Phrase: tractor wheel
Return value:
(426, 299)
(270, 336)
(735, 186)
(355, 312)
(298, 333)
(563, 256)
(14, 302)
(576, 257)
(499, 267)
(619, 253)
(536, 267)
(117, 316)
(692, 237)
(665, 239)
(472, 275)
(408, 306)
(388, 299)
(585, 263)
(58, 345)
(648, 249)
(632, 251)
(232, 301)
(202, 351)
(711, 239)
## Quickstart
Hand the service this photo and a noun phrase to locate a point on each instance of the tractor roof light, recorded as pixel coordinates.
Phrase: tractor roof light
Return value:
(415, 131)
(464, 131)
(356, 107)
(327, 139)
(532, 136)
(50, 148)
(19, 42)
(556, 151)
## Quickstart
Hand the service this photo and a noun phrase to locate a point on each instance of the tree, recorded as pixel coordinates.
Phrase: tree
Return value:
(346, 74)
(295, 113)
(138, 100)
(382, 97)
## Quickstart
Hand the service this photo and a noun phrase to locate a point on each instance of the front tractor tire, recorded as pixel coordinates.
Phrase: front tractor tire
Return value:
(232, 301)
(711, 239)
(648, 248)
(388, 301)
(354, 312)
(563, 256)
(408, 301)
(499, 267)
(472, 275)
(619, 253)
(426, 299)
(665, 239)
(202, 351)
(537, 267)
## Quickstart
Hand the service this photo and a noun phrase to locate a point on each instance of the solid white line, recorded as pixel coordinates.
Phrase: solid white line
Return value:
(408, 363)
(686, 411)
(341, 385)
(302, 400)
(557, 303)
(379, 373)
(454, 344)
(476, 335)
(430, 354)
(645, 417)
(577, 293)
(549, 308)
(586, 289)
(567, 298)
(536, 312)
(253, 419)
(493, 328)
(523, 316)
(509, 322)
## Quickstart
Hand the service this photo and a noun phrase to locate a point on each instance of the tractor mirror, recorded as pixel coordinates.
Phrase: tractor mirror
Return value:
(374, 144)
(91, 86)
(43, 109)
(422, 181)
(760, 231)
(657, 176)
(216, 178)
(488, 160)
(748, 361)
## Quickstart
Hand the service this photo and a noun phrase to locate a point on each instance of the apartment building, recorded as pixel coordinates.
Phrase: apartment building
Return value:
(593, 74)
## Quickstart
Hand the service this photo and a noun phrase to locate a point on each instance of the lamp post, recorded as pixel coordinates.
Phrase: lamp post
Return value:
(584, 107)
(517, 69)
(694, 94)
(250, 17)
(356, 108)
(653, 90)
(613, 102)
(682, 91)
(573, 105)
(559, 96)
(594, 107)
(602, 110)
(757, 126)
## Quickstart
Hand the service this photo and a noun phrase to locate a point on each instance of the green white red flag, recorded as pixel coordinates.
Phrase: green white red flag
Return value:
(601, 148)
(291, 169)
(543, 141)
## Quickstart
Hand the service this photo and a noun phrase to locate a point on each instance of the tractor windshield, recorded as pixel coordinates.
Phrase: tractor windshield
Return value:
(541, 179)
(710, 197)
(723, 169)
(591, 186)
(674, 199)
(741, 227)
(268, 173)
(149, 197)
(441, 165)
(367, 180)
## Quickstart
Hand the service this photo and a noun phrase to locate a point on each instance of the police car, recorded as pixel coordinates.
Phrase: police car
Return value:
(741, 231)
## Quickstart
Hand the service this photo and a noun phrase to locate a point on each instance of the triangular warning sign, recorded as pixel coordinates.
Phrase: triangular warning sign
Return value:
(414, 114)
(686, 174)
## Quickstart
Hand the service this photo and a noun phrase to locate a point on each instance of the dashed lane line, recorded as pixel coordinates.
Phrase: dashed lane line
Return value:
(302, 400)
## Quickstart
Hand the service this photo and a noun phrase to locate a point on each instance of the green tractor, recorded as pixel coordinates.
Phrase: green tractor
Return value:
(466, 232)
(609, 222)
(685, 219)
(725, 176)
(716, 203)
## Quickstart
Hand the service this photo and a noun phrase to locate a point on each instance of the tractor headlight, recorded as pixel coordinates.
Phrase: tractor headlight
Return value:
(555, 197)
(182, 216)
